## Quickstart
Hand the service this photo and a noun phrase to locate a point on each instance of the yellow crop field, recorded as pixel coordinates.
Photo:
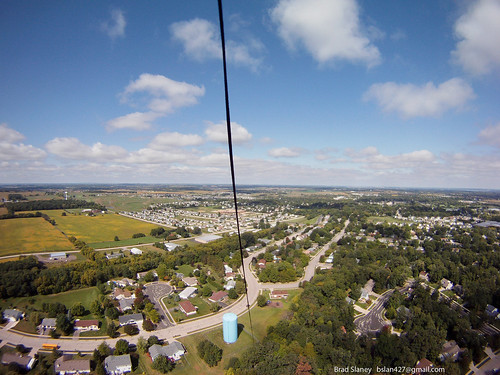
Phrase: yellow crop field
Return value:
(30, 235)
(100, 228)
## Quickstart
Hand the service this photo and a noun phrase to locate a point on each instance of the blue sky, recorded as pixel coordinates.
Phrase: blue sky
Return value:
(322, 92)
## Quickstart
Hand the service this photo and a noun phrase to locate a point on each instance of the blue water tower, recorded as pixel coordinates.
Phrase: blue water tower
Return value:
(230, 327)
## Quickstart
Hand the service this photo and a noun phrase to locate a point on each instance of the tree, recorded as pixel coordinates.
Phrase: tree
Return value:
(131, 329)
(232, 294)
(116, 238)
(142, 345)
(149, 277)
(121, 347)
(78, 309)
(209, 352)
(152, 340)
(64, 324)
(112, 313)
(104, 349)
(111, 330)
(163, 364)
(148, 325)
(96, 308)
(261, 300)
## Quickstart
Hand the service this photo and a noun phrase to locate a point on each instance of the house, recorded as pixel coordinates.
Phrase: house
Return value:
(114, 256)
(230, 285)
(135, 251)
(58, 256)
(207, 238)
(12, 315)
(67, 365)
(141, 275)
(261, 263)
(423, 366)
(171, 246)
(48, 323)
(491, 311)
(87, 325)
(446, 284)
(329, 259)
(190, 281)
(126, 304)
(124, 282)
(26, 362)
(188, 292)
(173, 351)
(423, 275)
(350, 301)
(187, 307)
(118, 364)
(227, 269)
(450, 351)
(365, 296)
(217, 296)
(131, 319)
(278, 294)
(120, 294)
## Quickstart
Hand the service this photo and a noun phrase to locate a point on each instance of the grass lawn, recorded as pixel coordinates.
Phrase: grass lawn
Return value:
(262, 317)
(202, 305)
(100, 228)
(85, 296)
(185, 269)
(29, 235)
(128, 242)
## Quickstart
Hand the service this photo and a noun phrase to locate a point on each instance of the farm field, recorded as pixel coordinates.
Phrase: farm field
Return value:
(30, 235)
(118, 202)
(100, 228)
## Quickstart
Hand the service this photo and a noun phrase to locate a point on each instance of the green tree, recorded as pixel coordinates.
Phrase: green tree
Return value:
(163, 364)
(209, 352)
(78, 309)
(121, 347)
(111, 330)
(64, 324)
(261, 300)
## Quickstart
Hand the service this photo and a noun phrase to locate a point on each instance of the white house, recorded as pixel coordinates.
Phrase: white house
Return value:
(230, 285)
(118, 364)
(67, 365)
(87, 325)
(188, 292)
(174, 351)
(136, 251)
(130, 319)
(48, 323)
(12, 315)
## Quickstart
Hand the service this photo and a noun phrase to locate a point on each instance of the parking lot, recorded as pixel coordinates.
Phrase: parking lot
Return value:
(155, 291)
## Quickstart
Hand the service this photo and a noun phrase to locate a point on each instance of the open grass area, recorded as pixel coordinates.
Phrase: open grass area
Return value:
(384, 219)
(123, 202)
(85, 296)
(100, 228)
(262, 317)
(30, 235)
(128, 242)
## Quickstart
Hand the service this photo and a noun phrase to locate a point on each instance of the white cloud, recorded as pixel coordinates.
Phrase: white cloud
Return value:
(135, 121)
(10, 149)
(284, 152)
(201, 42)
(168, 95)
(72, 148)
(409, 100)
(329, 30)
(479, 32)
(218, 133)
(490, 135)
(8, 135)
(175, 139)
(156, 157)
(116, 26)
(199, 38)
(163, 96)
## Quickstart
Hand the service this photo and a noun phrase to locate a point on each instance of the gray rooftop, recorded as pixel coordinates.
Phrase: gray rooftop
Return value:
(113, 362)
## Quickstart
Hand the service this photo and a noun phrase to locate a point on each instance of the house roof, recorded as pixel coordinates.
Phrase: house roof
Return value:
(170, 350)
(11, 313)
(186, 293)
(23, 361)
(49, 322)
(187, 307)
(130, 317)
(217, 296)
(279, 293)
(86, 323)
(113, 362)
(66, 363)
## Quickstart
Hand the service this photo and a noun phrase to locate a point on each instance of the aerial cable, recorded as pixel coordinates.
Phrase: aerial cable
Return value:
(231, 161)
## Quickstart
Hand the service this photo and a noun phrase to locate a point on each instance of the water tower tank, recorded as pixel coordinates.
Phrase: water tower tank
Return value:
(230, 327)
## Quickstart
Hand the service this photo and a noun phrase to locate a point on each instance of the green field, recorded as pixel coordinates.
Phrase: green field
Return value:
(30, 235)
(85, 296)
(384, 219)
(100, 228)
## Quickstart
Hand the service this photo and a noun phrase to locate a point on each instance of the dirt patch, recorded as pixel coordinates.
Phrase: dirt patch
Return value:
(277, 304)
(45, 259)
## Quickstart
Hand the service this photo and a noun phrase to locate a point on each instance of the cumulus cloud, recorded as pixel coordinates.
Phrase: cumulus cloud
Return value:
(218, 133)
(328, 30)
(155, 157)
(200, 40)
(11, 149)
(372, 159)
(72, 148)
(135, 121)
(479, 33)
(115, 27)
(490, 135)
(284, 152)
(175, 139)
(163, 96)
(409, 100)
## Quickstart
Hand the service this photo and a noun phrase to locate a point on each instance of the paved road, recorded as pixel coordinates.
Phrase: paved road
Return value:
(179, 330)
(374, 320)
(155, 291)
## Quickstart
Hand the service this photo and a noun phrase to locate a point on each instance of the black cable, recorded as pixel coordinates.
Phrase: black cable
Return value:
(231, 161)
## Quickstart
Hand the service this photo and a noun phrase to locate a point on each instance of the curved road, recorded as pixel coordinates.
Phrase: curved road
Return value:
(179, 330)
